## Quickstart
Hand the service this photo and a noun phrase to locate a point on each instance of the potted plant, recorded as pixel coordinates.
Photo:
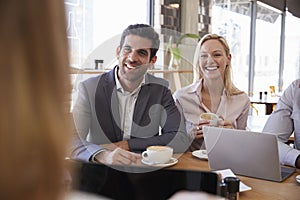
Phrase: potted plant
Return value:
(175, 51)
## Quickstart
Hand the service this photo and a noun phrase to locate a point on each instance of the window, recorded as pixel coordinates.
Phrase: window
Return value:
(267, 49)
(232, 21)
(94, 28)
(95, 23)
(291, 70)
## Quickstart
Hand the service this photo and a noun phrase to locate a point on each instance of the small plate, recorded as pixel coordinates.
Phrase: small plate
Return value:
(202, 154)
(298, 178)
(171, 162)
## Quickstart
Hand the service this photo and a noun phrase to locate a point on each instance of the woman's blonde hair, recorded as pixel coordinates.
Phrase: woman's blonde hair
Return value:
(35, 86)
(228, 85)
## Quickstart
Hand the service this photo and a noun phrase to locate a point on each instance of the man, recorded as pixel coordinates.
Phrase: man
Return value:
(284, 121)
(122, 111)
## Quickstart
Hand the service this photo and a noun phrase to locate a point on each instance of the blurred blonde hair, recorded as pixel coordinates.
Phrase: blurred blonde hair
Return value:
(228, 84)
(34, 126)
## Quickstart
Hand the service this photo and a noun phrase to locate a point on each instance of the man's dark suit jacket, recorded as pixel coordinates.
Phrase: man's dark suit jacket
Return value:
(156, 119)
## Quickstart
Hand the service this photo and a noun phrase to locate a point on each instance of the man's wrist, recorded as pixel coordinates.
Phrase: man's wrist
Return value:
(93, 158)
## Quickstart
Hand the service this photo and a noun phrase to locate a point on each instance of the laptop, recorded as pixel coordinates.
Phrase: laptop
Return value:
(246, 153)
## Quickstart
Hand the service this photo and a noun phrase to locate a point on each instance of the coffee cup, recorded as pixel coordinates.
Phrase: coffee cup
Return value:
(157, 154)
(211, 117)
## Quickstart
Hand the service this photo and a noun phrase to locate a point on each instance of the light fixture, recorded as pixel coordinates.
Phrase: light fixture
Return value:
(174, 5)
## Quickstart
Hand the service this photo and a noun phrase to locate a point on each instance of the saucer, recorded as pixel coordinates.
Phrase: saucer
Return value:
(298, 178)
(171, 162)
(202, 154)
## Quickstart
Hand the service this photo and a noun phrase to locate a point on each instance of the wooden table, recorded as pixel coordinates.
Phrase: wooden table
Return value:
(261, 189)
(270, 103)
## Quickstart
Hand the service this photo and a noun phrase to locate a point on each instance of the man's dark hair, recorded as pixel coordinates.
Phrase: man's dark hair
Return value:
(143, 30)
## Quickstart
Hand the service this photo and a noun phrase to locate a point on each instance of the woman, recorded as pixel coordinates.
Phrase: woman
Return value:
(212, 90)
(35, 85)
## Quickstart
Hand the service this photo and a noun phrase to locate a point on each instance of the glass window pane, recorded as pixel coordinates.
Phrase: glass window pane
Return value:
(291, 70)
(92, 23)
(232, 20)
(94, 28)
(267, 49)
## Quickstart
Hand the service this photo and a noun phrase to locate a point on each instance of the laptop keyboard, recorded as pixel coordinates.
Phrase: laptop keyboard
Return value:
(285, 172)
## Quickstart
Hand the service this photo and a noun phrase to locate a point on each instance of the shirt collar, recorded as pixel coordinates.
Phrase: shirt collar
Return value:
(193, 88)
(119, 86)
(197, 87)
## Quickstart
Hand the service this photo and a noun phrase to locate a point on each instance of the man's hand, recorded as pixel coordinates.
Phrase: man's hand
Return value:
(117, 157)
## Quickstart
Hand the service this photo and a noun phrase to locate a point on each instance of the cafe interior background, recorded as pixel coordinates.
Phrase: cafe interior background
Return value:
(263, 37)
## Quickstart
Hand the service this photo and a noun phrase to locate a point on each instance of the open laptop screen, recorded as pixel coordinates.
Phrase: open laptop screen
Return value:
(119, 182)
(244, 152)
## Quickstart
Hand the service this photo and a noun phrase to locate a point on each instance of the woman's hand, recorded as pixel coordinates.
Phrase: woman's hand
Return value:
(197, 132)
(197, 129)
(225, 124)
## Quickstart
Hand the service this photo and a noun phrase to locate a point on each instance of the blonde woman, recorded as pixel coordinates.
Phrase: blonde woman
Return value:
(34, 82)
(212, 90)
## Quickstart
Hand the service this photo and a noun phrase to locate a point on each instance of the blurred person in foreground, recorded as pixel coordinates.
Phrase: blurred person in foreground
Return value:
(212, 91)
(126, 109)
(34, 81)
(285, 121)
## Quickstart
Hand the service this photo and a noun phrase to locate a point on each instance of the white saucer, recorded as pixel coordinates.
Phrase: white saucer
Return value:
(171, 162)
(298, 178)
(202, 154)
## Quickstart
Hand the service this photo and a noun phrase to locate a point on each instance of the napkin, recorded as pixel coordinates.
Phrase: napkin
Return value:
(228, 173)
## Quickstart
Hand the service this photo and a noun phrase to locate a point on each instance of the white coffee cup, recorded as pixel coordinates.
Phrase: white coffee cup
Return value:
(157, 154)
(211, 117)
